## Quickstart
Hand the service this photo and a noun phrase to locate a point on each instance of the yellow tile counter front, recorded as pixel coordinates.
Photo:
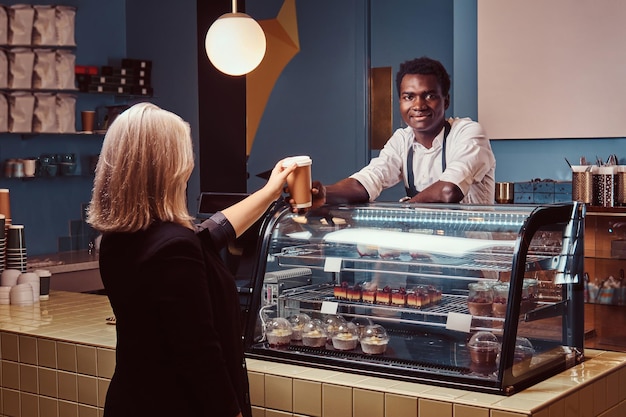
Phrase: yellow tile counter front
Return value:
(57, 358)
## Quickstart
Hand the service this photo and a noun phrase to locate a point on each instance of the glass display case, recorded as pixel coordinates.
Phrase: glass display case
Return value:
(487, 298)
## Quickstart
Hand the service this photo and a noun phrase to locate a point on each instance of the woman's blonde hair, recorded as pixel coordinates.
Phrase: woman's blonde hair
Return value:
(142, 173)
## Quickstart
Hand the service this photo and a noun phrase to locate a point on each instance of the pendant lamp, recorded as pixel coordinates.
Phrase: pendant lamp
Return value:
(235, 43)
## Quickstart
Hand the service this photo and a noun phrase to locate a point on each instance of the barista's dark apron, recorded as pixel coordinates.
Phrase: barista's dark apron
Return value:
(411, 191)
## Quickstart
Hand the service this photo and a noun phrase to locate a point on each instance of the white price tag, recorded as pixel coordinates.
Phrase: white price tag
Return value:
(332, 264)
(329, 307)
(459, 322)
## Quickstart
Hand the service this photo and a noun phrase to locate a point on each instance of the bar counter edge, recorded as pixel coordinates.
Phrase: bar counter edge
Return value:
(57, 357)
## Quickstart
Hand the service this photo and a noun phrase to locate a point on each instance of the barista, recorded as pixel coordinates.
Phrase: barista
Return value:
(440, 161)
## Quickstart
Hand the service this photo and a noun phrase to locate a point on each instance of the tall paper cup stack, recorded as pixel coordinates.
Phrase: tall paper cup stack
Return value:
(5, 205)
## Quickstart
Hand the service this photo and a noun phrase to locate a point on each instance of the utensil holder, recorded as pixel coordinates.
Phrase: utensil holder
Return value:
(582, 187)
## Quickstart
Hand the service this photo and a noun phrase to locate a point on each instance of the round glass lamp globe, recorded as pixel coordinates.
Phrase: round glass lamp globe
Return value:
(235, 44)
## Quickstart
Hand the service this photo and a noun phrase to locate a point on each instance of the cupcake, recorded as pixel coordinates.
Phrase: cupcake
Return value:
(374, 340)
(278, 332)
(298, 321)
(314, 334)
(346, 337)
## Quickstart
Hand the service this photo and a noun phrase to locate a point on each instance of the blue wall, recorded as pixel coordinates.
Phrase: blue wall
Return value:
(319, 105)
(313, 105)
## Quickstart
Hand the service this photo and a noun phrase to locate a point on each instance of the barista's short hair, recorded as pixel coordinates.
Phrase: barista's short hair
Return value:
(142, 173)
(425, 66)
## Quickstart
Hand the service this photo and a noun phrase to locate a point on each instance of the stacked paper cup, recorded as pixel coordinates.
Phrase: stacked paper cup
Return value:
(16, 248)
(23, 288)
(5, 295)
(21, 294)
(3, 243)
(44, 283)
(5, 205)
(31, 279)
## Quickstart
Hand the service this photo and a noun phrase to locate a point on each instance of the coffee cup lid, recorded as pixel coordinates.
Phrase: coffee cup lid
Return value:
(301, 161)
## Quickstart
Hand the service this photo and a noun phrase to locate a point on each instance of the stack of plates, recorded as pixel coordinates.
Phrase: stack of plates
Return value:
(3, 249)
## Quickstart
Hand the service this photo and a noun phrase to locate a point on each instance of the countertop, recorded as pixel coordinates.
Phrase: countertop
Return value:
(64, 261)
(68, 316)
(82, 319)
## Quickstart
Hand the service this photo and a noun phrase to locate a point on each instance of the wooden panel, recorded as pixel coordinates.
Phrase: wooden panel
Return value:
(381, 115)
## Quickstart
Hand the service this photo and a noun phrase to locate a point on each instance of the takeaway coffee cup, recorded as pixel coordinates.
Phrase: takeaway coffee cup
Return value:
(44, 283)
(299, 181)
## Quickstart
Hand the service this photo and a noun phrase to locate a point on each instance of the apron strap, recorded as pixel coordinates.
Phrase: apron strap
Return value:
(411, 191)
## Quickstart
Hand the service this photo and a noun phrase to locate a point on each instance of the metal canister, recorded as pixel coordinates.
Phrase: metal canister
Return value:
(582, 183)
(620, 186)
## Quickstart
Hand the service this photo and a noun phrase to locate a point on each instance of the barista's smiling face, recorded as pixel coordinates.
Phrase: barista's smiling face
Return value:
(423, 106)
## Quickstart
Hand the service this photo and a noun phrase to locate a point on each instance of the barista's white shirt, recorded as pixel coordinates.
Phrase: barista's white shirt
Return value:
(470, 163)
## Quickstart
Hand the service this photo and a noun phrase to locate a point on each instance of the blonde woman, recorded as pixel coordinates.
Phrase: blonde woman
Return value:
(179, 352)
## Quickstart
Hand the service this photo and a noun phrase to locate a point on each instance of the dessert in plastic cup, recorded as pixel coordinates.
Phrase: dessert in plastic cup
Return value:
(314, 334)
(484, 348)
(346, 337)
(374, 340)
(299, 181)
(298, 321)
(332, 323)
(480, 299)
(500, 299)
(278, 332)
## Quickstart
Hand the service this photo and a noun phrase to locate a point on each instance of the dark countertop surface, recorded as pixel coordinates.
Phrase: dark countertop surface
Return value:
(64, 261)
